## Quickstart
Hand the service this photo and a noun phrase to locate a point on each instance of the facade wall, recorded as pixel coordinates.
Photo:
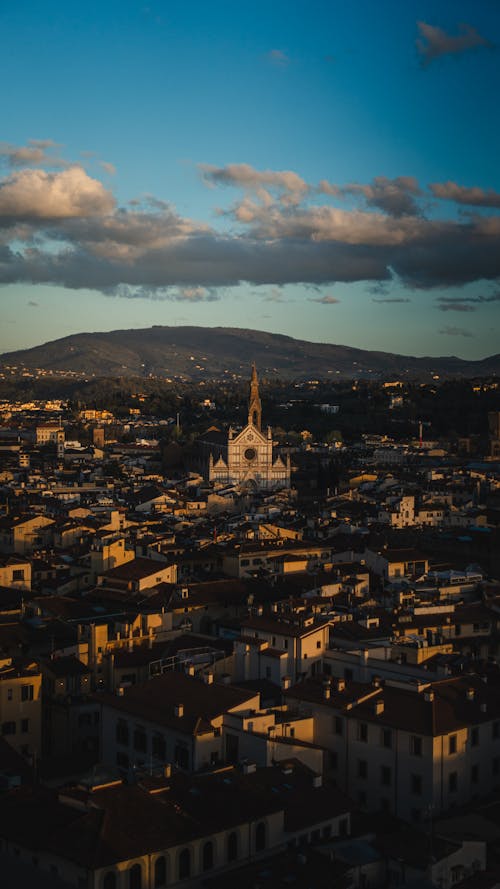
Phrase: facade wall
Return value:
(21, 712)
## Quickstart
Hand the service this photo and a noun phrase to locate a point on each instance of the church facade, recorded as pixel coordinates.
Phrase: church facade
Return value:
(248, 459)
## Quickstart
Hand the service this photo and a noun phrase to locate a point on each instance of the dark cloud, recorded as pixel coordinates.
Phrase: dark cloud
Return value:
(64, 228)
(392, 299)
(435, 42)
(477, 197)
(394, 196)
(464, 303)
(455, 331)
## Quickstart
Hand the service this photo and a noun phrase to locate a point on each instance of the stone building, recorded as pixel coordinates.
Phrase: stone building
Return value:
(246, 459)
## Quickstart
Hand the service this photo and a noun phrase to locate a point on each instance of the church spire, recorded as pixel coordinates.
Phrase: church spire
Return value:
(254, 407)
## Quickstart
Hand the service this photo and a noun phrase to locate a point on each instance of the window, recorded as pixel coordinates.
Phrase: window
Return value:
(25, 725)
(122, 760)
(318, 643)
(385, 776)
(273, 641)
(158, 747)
(474, 774)
(27, 692)
(17, 574)
(285, 643)
(140, 740)
(338, 725)
(386, 737)
(135, 877)
(260, 836)
(416, 784)
(181, 755)
(363, 731)
(362, 768)
(474, 736)
(452, 744)
(208, 856)
(232, 846)
(122, 733)
(160, 872)
(109, 881)
(416, 745)
(184, 864)
(8, 728)
(453, 782)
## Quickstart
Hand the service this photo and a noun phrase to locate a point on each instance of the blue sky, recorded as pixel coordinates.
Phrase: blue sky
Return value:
(320, 169)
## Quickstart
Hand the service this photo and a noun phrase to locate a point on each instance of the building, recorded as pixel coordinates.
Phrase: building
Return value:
(247, 459)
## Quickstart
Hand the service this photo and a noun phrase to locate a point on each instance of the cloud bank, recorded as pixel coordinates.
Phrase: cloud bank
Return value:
(64, 227)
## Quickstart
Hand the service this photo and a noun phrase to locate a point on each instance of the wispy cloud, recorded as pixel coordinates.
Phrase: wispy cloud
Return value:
(392, 299)
(325, 300)
(455, 331)
(461, 194)
(37, 152)
(163, 294)
(108, 168)
(464, 303)
(278, 57)
(434, 42)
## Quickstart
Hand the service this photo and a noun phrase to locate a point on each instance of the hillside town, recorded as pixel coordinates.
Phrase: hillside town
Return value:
(256, 661)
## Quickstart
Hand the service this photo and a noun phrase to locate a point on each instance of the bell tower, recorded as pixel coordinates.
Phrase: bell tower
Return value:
(254, 405)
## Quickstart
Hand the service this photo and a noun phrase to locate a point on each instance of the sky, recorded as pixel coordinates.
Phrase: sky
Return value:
(321, 169)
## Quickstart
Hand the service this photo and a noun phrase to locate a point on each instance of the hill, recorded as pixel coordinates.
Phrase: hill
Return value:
(192, 353)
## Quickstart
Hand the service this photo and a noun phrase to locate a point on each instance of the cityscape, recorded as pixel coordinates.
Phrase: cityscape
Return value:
(250, 446)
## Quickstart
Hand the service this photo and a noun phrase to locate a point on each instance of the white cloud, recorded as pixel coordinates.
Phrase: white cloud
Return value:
(37, 194)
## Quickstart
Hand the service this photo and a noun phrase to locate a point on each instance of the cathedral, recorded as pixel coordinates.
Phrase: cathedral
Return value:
(246, 459)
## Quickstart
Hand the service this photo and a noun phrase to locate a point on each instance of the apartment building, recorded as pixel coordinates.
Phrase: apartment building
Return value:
(408, 747)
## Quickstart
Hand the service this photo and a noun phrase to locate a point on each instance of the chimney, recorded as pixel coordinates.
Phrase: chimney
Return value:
(179, 710)
(286, 682)
(429, 695)
(327, 692)
(340, 684)
(208, 677)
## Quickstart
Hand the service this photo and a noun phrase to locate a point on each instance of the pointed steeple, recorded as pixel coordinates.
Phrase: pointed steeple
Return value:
(254, 406)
